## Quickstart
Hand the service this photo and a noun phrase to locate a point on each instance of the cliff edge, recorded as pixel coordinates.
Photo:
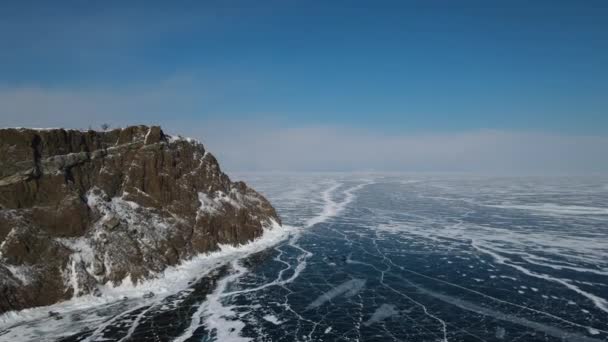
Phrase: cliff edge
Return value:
(79, 209)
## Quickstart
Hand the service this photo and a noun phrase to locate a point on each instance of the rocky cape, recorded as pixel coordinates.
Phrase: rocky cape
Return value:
(82, 209)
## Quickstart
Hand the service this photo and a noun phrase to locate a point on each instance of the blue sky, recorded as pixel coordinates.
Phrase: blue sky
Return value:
(384, 69)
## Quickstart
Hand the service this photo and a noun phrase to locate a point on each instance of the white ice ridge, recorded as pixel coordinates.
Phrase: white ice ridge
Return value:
(599, 302)
(563, 335)
(521, 307)
(556, 209)
(552, 331)
(220, 318)
(331, 207)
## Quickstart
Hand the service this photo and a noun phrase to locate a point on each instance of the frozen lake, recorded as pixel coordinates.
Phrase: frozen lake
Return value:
(366, 257)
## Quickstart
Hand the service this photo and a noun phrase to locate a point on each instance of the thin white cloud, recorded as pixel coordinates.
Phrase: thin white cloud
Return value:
(265, 146)
(331, 148)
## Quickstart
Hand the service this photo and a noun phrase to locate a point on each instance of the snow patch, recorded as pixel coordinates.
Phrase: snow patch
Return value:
(272, 319)
(348, 289)
(383, 312)
(22, 273)
(208, 205)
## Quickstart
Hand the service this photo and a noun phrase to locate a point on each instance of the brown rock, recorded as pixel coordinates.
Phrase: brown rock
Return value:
(79, 209)
(154, 135)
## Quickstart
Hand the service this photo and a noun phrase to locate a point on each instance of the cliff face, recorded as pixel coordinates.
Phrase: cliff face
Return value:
(81, 209)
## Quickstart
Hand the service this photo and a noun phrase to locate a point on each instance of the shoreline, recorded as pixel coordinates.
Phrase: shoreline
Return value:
(174, 280)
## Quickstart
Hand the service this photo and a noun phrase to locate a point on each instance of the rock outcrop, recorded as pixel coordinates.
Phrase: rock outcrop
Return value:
(80, 209)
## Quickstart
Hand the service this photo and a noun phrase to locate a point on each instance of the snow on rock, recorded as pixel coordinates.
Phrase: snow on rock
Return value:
(84, 210)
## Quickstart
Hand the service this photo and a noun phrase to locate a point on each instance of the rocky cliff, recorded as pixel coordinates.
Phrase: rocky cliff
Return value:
(79, 209)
